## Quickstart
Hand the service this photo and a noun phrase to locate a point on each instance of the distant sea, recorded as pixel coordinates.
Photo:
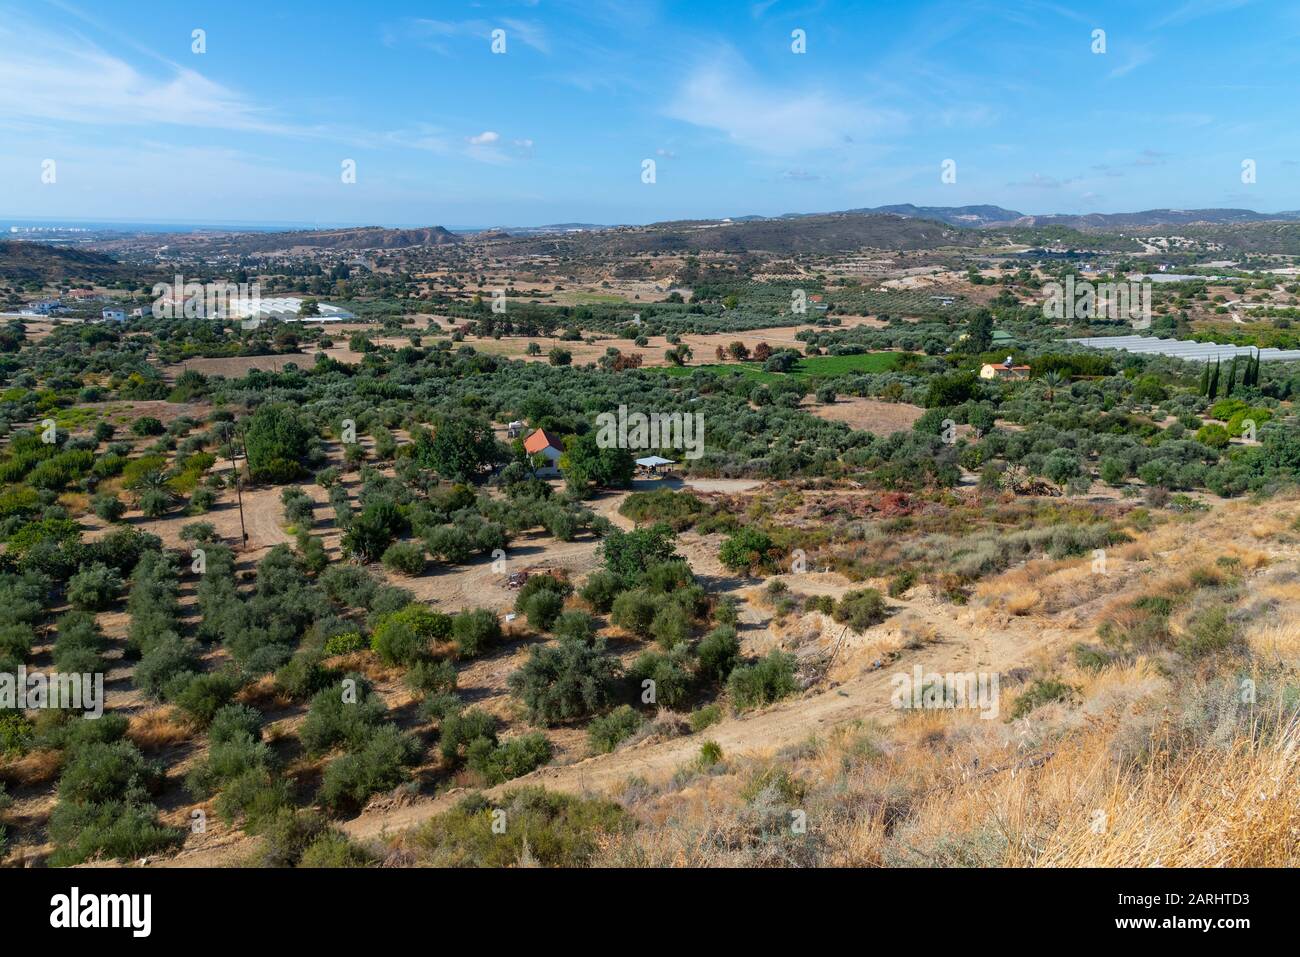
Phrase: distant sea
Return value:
(54, 226)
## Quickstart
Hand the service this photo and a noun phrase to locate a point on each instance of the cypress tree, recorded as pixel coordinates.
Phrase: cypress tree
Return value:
(1214, 380)
(1205, 380)
(1232, 377)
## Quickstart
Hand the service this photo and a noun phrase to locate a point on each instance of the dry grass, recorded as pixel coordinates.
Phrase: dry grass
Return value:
(1216, 808)
(1023, 602)
(158, 728)
(35, 767)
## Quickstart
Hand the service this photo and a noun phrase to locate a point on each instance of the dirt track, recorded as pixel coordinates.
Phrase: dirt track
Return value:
(962, 646)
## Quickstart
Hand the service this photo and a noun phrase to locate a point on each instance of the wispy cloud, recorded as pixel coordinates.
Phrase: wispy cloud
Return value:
(1039, 181)
(722, 95)
(437, 34)
(54, 78)
(1195, 9)
(1136, 57)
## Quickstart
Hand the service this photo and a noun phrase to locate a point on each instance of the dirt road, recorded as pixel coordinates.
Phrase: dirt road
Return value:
(961, 645)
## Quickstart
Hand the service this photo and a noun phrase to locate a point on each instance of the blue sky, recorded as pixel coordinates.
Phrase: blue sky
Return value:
(556, 129)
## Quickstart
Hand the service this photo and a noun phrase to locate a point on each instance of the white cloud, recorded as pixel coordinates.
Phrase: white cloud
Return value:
(1140, 56)
(435, 34)
(44, 77)
(486, 138)
(1195, 9)
(723, 96)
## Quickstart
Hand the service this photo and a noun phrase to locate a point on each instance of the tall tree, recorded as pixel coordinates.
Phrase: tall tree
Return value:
(979, 332)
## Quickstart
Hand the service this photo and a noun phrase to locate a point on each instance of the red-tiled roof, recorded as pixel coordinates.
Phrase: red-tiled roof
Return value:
(539, 440)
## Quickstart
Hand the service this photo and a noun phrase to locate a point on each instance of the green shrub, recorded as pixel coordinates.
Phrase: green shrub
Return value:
(108, 507)
(461, 728)
(405, 558)
(94, 588)
(16, 734)
(773, 785)
(155, 502)
(333, 849)
(1042, 691)
(474, 632)
(746, 551)
(898, 585)
(600, 590)
(710, 754)
(560, 830)
(727, 611)
(235, 720)
(201, 501)
(705, 717)
(860, 609)
(403, 637)
(1213, 435)
(379, 765)
(147, 425)
(98, 772)
(542, 608)
(1089, 658)
(287, 833)
(575, 624)
(257, 796)
(1209, 632)
(228, 759)
(334, 720)
(541, 583)
(719, 653)
(767, 680)
(565, 680)
(497, 763)
(204, 695)
(345, 643)
(670, 673)
(635, 610)
(117, 829)
(606, 732)
(427, 677)
(304, 674)
(671, 626)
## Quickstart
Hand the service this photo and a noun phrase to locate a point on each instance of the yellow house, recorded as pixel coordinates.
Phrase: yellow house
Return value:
(1004, 370)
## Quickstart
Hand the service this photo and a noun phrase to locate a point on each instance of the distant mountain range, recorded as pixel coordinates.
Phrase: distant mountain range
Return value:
(364, 237)
(896, 228)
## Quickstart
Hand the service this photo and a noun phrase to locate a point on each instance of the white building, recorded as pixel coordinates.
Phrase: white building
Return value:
(284, 308)
(114, 315)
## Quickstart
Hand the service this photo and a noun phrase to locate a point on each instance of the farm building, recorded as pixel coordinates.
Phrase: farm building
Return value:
(540, 442)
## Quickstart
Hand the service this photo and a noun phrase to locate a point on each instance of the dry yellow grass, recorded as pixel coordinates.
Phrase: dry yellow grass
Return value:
(1023, 602)
(1217, 808)
(35, 767)
(158, 728)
